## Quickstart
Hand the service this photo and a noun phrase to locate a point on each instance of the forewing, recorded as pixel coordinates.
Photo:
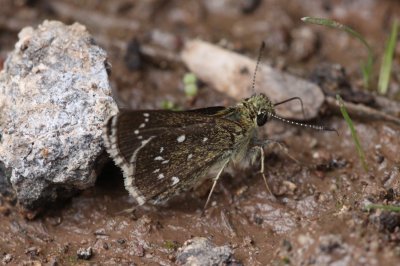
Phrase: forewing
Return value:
(162, 152)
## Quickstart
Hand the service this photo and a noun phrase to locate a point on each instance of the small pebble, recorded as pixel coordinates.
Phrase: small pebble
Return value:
(121, 241)
(7, 258)
(84, 254)
(100, 232)
(329, 243)
(33, 251)
(258, 220)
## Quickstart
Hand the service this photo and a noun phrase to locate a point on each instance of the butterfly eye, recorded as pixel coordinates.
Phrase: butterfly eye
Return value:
(262, 119)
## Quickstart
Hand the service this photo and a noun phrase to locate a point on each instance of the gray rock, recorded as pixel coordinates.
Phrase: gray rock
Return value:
(200, 251)
(54, 99)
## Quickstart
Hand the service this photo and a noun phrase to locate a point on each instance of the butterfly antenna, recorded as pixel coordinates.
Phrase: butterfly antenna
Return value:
(292, 99)
(314, 127)
(260, 52)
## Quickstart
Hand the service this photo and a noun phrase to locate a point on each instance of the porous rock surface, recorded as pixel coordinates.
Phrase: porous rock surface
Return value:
(54, 99)
(200, 251)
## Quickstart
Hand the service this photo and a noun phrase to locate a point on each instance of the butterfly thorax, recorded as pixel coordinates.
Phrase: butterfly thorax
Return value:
(250, 114)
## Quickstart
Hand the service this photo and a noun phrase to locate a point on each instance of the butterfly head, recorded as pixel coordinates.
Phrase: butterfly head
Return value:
(259, 109)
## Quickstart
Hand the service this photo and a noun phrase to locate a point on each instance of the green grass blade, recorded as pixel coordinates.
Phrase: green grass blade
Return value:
(354, 135)
(383, 207)
(387, 59)
(366, 68)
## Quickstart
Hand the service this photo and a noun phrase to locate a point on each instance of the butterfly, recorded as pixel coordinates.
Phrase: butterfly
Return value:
(163, 153)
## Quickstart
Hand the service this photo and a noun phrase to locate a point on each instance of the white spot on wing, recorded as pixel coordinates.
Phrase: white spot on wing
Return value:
(175, 180)
(181, 138)
(140, 137)
(142, 125)
(160, 176)
(157, 170)
(190, 156)
(146, 114)
(146, 120)
(166, 161)
(158, 158)
(161, 149)
(205, 139)
(144, 142)
(136, 131)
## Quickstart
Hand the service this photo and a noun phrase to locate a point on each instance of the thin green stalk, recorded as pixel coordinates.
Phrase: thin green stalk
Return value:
(366, 68)
(354, 135)
(383, 207)
(387, 59)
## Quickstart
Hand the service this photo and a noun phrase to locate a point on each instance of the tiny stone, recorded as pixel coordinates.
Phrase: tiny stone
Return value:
(175, 180)
(258, 220)
(7, 258)
(33, 251)
(328, 243)
(100, 232)
(181, 138)
(84, 254)
(201, 251)
(121, 241)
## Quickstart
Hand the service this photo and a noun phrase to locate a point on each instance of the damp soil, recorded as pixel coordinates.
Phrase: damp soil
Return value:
(318, 216)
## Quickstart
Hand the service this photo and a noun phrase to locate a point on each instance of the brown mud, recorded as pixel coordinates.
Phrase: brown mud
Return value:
(319, 217)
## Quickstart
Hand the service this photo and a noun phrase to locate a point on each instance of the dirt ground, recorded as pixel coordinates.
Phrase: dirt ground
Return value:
(319, 217)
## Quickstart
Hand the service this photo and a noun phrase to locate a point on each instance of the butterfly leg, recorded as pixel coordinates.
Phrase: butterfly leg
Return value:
(260, 146)
(263, 168)
(215, 183)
